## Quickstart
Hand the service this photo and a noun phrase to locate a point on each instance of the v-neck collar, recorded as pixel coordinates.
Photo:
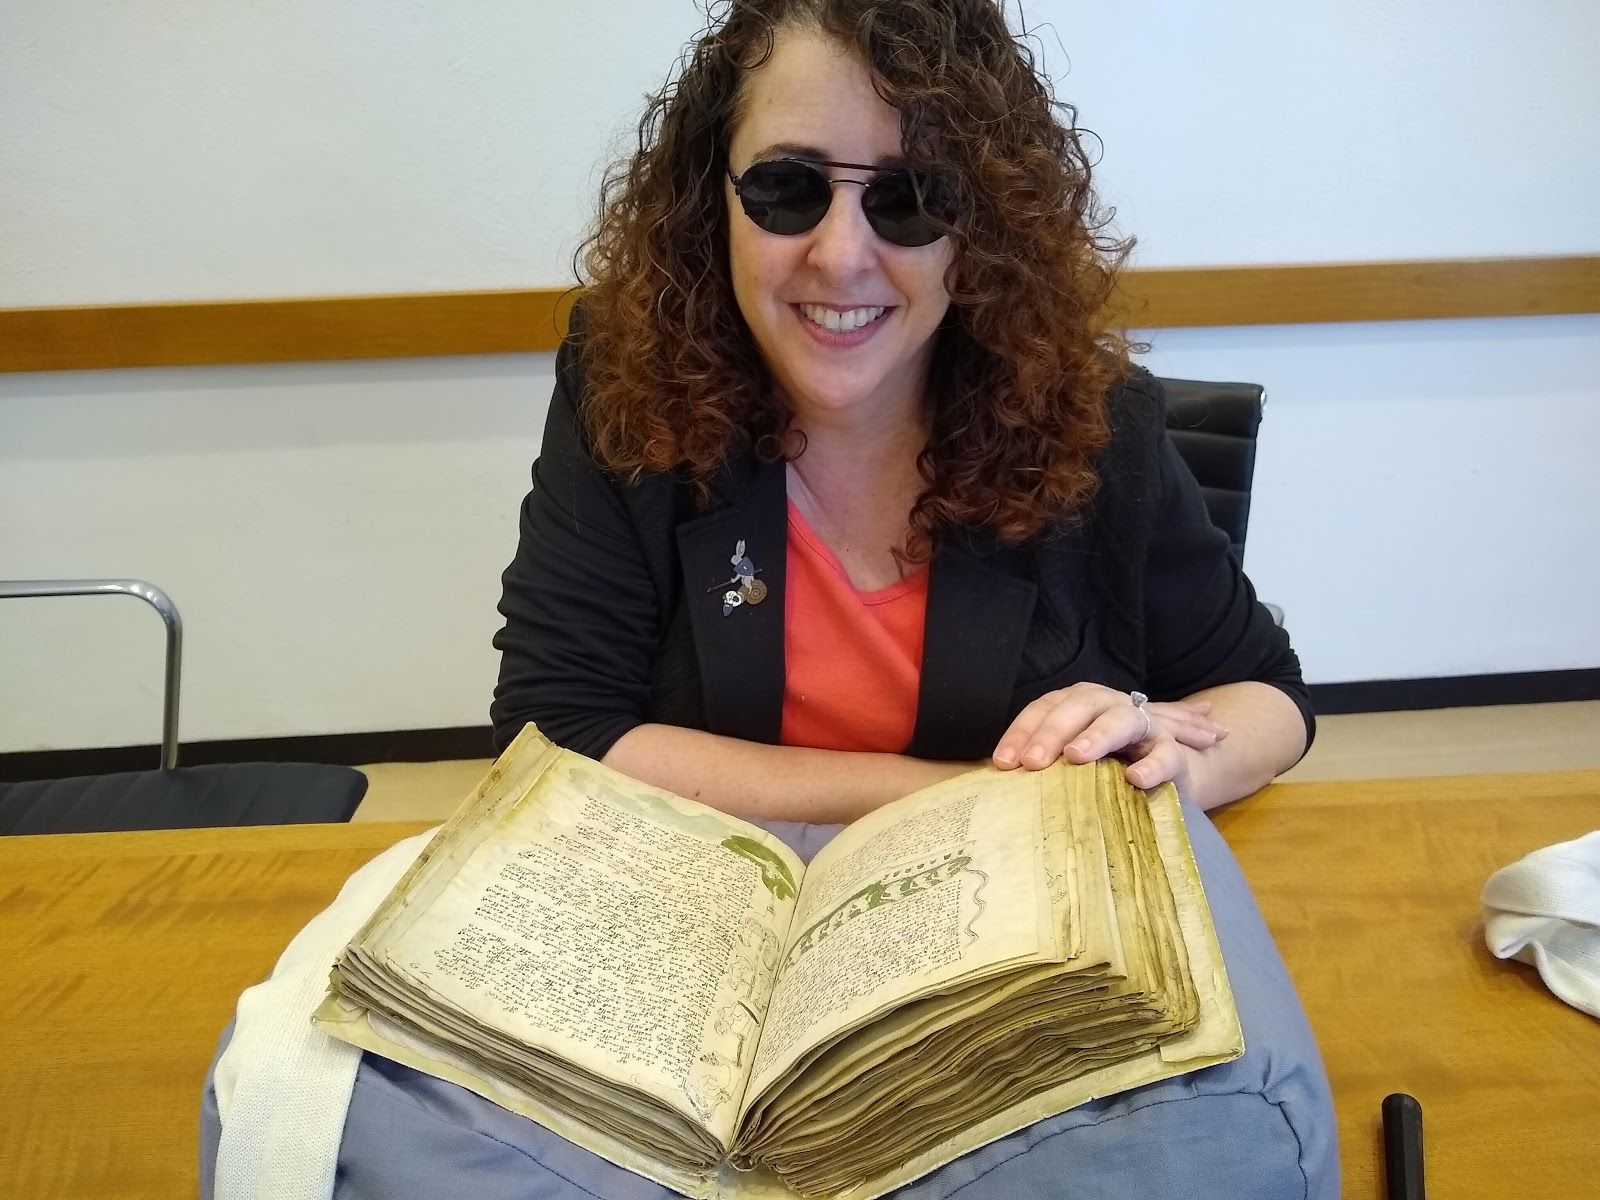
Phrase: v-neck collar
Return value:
(978, 613)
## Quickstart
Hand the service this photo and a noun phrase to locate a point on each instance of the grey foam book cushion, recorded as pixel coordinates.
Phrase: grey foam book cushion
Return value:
(1260, 1127)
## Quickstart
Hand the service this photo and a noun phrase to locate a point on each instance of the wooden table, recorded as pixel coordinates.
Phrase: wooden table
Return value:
(1371, 891)
(124, 953)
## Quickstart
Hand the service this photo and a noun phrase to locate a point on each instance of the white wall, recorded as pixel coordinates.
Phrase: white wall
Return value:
(334, 532)
(1427, 499)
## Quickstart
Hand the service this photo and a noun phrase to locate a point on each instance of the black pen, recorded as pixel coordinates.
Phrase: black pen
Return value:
(1402, 1147)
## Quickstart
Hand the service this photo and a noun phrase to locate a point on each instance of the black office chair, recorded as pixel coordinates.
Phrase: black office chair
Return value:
(172, 797)
(1214, 426)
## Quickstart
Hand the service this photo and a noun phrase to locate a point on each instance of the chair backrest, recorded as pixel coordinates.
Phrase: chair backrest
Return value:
(1214, 427)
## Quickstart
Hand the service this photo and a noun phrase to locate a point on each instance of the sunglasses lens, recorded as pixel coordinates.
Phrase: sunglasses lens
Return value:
(899, 205)
(788, 197)
(785, 197)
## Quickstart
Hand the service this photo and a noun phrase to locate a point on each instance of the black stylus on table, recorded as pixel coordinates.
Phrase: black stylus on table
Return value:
(1402, 1147)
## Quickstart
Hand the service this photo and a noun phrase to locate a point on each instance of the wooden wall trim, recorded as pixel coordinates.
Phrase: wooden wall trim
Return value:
(520, 321)
(269, 331)
(1380, 291)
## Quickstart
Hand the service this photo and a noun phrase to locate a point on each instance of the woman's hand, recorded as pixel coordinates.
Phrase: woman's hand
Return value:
(1088, 721)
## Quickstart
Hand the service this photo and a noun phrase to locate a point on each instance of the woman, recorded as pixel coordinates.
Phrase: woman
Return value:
(967, 534)
(847, 485)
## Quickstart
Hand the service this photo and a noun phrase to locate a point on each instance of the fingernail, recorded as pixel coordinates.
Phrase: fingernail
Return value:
(1006, 755)
(1221, 733)
(1079, 747)
(1035, 755)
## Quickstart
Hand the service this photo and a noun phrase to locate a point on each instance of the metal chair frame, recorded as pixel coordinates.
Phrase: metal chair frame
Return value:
(157, 599)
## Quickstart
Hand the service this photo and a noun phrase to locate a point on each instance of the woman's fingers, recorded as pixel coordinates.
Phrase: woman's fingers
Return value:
(1087, 721)
(1043, 728)
(1053, 729)
(1008, 753)
(1187, 727)
(1180, 713)
(1163, 764)
(1115, 729)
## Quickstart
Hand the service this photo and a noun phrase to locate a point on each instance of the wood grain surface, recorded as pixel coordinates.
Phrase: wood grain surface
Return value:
(124, 955)
(1371, 890)
(296, 329)
(315, 329)
(1322, 293)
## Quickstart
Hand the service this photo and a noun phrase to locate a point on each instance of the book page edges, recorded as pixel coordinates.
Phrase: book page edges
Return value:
(1218, 1032)
(353, 1025)
(1008, 847)
(1216, 1039)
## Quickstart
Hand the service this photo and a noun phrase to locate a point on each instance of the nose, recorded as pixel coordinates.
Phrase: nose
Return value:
(843, 243)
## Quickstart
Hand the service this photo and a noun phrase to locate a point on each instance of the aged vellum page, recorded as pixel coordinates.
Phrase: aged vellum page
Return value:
(1216, 1038)
(613, 941)
(1000, 1048)
(940, 886)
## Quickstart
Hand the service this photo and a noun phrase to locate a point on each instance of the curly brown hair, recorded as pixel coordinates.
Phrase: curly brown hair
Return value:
(1026, 352)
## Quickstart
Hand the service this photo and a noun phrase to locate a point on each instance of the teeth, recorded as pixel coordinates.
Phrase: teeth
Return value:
(841, 322)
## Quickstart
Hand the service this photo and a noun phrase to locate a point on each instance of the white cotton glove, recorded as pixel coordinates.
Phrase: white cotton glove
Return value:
(1544, 909)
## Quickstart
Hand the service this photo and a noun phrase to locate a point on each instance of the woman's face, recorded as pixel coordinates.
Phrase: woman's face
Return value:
(813, 98)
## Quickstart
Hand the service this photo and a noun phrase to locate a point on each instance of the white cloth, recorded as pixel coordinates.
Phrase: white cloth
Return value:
(1544, 909)
(283, 1086)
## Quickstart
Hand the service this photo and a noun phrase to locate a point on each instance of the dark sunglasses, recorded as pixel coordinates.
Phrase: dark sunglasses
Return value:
(791, 195)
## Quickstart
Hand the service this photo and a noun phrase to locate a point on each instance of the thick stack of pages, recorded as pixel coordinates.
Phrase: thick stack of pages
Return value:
(673, 989)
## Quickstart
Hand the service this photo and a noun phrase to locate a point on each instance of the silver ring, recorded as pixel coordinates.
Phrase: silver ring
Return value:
(1139, 700)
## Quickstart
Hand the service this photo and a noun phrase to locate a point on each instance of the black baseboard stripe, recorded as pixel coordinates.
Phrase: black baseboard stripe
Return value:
(1455, 691)
(434, 745)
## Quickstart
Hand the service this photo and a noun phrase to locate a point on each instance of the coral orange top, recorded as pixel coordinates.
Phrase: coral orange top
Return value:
(852, 659)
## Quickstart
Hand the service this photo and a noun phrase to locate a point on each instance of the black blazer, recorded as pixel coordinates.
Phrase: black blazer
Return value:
(613, 609)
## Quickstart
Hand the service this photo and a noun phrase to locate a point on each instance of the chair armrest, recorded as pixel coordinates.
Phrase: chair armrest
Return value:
(19, 589)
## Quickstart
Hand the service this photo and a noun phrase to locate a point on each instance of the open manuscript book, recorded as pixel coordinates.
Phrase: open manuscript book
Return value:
(673, 989)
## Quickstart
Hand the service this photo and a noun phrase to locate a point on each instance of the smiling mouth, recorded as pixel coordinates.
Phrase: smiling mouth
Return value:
(833, 320)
